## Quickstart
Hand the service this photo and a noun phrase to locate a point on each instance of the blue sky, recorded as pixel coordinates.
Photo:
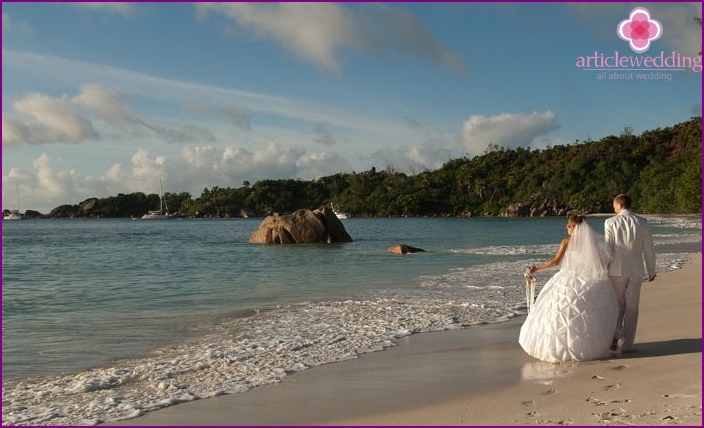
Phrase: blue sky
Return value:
(107, 98)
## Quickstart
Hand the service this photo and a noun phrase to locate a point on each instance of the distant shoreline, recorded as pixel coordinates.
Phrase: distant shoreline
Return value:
(46, 217)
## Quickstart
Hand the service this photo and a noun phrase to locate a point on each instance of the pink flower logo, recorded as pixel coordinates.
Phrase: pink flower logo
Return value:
(639, 30)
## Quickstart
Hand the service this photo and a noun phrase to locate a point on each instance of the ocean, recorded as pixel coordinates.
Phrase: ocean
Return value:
(105, 319)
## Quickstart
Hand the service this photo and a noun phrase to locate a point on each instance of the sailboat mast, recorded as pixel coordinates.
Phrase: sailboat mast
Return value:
(162, 201)
(161, 198)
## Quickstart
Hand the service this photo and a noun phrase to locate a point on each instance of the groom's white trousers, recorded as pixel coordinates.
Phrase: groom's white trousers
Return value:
(628, 292)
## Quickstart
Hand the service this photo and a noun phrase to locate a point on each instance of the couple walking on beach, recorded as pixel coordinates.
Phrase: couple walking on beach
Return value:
(592, 301)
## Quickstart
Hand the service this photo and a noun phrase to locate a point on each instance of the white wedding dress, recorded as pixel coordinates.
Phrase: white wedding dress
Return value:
(574, 316)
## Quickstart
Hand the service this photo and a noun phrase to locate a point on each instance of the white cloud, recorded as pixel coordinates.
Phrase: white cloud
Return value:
(414, 159)
(508, 130)
(321, 164)
(11, 26)
(40, 119)
(680, 31)
(183, 93)
(46, 120)
(45, 188)
(316, 31)
(107, 103)
(206, 166)
(47, 185)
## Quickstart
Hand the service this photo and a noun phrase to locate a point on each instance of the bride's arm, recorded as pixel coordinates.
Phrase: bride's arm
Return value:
(555, 261)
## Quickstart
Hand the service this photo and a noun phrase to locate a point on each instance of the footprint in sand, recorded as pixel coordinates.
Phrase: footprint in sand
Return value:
(597, 402)
(679, 396)
(607, 387)
(621, 367)
(530, 403)
(612, 386)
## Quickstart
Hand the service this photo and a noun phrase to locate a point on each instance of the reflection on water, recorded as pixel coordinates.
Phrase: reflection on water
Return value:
(544, 372)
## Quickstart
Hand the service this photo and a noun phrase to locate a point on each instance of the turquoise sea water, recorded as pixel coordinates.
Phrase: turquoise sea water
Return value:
(96, 304)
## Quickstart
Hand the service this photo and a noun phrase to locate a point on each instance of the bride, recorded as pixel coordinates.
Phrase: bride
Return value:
(575, 314)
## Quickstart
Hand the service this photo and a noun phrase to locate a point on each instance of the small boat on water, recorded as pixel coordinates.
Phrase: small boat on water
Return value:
(14, 214)
(156, 215)
(339, 214)
(162, 213)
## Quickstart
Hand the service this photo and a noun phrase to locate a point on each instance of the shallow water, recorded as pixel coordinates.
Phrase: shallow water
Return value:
(130, 316)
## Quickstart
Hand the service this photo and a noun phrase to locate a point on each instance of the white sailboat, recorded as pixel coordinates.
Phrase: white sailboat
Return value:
(339, 214)
(162, 213)
(15, 214)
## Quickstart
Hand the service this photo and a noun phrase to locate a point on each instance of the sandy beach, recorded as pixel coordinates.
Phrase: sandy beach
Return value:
(481, 376)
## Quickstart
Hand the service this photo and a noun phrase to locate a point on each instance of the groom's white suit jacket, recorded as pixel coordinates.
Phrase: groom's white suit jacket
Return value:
(629, 240)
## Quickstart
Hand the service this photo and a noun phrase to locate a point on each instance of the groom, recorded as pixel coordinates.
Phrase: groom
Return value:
(628, 237)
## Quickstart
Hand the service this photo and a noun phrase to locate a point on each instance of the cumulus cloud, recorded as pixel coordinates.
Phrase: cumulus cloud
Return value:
(205, 166)
(49, 120)
(315, 165)
(508, 130)
(232, 164)
(316, 31)
(139, 174)
(414, 159)
(106, 103)
(46, 185)
(97, 112)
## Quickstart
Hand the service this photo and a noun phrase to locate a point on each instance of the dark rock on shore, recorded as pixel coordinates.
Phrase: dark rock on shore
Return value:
(538, 209)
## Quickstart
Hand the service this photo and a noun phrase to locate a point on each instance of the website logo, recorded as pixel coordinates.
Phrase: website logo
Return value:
(639, 30)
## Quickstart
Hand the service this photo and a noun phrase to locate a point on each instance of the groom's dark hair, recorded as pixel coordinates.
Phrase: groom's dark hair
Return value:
(624, 200)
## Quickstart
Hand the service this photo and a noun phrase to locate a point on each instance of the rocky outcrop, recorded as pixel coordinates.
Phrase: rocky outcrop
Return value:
(520, 209)
(403, 249)
(33, 214)
(301, 227)
(537, 209)
(89, 204)
(64, 211)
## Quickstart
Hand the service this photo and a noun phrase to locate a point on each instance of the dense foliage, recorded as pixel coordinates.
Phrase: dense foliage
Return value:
(660, 169)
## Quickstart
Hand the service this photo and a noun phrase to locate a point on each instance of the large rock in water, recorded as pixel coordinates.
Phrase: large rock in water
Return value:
(301, 227)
